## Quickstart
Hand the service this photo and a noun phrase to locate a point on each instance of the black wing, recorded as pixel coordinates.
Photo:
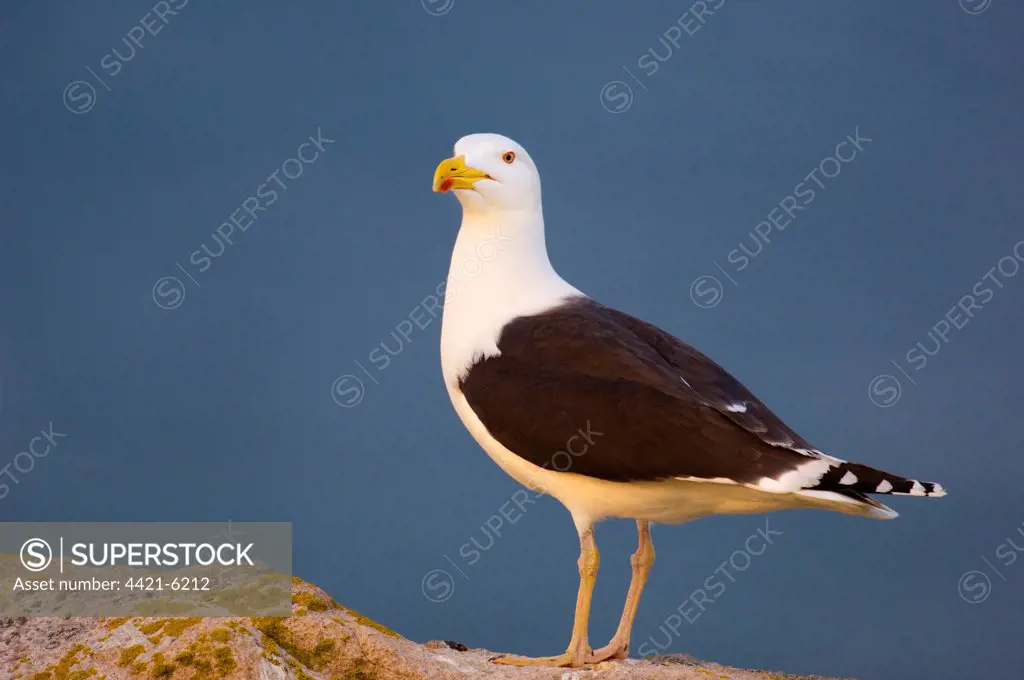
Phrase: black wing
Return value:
(655, 408)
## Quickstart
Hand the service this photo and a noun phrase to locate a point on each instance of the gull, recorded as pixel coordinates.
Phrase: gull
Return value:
(529, 361)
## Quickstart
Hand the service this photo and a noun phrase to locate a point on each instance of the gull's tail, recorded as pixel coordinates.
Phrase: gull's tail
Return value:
(847, 484)
(865, 479)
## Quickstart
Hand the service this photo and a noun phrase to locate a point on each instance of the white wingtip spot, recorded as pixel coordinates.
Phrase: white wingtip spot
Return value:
(938, 491)
(804, 476)
(848, 478)
(917, 489)
(884, 486)
(739, 407)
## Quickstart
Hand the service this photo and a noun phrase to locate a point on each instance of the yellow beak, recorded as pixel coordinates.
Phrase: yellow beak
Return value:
(455, 174)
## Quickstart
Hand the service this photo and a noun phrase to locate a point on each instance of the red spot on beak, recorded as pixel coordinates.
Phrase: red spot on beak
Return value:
(447, 184)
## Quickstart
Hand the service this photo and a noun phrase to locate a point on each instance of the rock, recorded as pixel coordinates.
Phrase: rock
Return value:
(320, 641)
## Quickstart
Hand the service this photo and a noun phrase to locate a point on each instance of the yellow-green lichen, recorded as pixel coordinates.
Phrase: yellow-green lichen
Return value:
(129, 654)
(220, 634)
(369, 622)
(152, 626)
(268, 644)
(170, 627)
(312, 602)
(205, 661)
(162, 669)
(273, 628)
(186, 657)
(225, 660)
(62, 670)
(358, 670)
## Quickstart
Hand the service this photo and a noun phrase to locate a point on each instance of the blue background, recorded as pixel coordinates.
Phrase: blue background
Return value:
(223, 406)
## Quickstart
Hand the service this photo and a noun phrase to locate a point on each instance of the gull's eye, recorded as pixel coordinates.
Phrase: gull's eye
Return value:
(509, 157)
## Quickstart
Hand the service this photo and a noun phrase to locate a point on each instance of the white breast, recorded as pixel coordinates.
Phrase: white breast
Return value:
(499, 271)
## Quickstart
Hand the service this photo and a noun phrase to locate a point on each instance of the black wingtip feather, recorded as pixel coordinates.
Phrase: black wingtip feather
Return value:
(865, 479)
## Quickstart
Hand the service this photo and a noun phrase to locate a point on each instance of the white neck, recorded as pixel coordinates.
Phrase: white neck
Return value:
(499, 270)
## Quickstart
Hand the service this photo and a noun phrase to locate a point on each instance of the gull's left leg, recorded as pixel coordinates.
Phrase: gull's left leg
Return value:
(641, 561)
(576, 655)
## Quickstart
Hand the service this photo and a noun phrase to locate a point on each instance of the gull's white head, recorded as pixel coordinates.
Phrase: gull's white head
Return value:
(490, 173)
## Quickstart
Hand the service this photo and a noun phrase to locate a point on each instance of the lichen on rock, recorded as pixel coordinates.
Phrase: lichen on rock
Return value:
(325, 642)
